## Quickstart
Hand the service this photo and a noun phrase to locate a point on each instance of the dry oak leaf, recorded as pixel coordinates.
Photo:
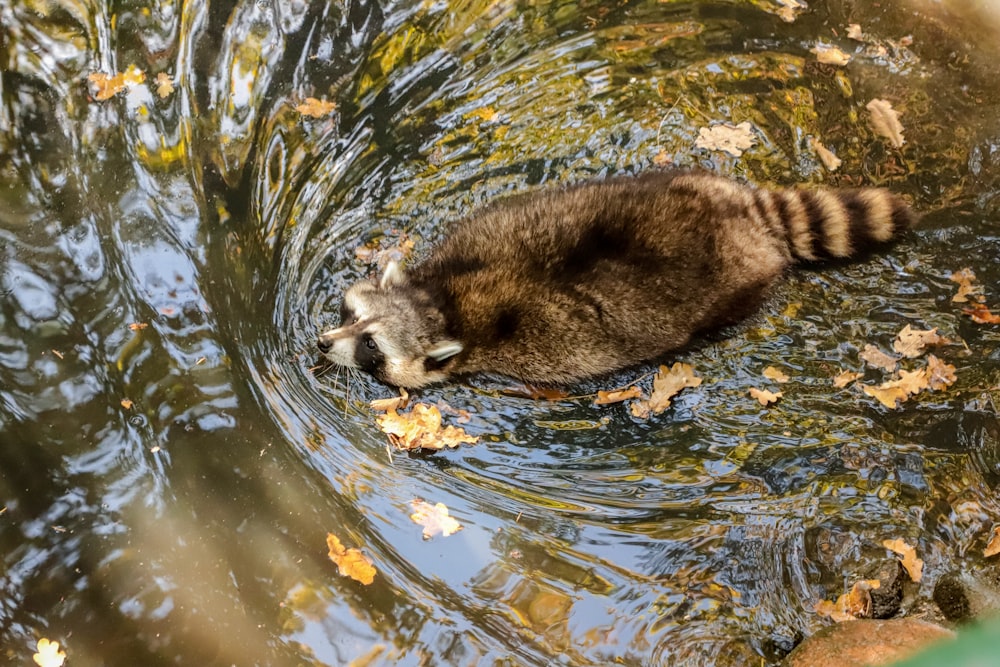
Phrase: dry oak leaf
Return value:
(964, 279)
(776, 374)
(109, 85)
(764, 396)
(731, 139)
(845, 378)
(854, 32)
(350, 562)
(875, 357)
(164, 85)
(617, 395)
(885, 121)
(993, 548)
(420, 428)
(855, 603)
(980, 314)
(315, 108)
(48, 654)
(889, 393)
(826, 156)
(887, 396)
(912, 342)
(939, 374)
(830, 55)
(393, 403)
(434, 518)
(667, 383)
(913, 565)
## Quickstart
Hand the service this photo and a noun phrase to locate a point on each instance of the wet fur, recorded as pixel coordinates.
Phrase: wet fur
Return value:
(561, 285)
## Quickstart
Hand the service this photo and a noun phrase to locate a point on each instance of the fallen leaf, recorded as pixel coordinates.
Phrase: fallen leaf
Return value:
(845, 378)
(350, 562)
(667, 383)
(662, 159)
(980, 314)
(912, 342)
(776, 374)
(854, 604)
(421, 429)
(315, 108)
(731, 139)
(790, 9)
(48, 654)
(394, 403)
(830, 55)
(885, 121)
(939, 374)
(434, 518)
(887, 396)
(993, 548)
(826, 156)
(164, 85)
(764, 396)
(617, 395)
(110, 85)
(964, 279)
(854, 32)
(127, 404)
(913, 565)
(137, 326)
(876, 358)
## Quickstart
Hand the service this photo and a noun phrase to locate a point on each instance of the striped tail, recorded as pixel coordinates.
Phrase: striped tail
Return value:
(832, 224)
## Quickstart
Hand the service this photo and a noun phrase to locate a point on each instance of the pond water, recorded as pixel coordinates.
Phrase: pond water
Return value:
(166, 490)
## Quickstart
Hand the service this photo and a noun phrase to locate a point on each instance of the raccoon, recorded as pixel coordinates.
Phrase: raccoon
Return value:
(562, 285)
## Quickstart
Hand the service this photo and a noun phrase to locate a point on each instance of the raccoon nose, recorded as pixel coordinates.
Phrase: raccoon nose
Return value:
(324, 344)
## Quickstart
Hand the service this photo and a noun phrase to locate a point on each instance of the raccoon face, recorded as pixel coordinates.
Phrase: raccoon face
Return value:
(388, 332)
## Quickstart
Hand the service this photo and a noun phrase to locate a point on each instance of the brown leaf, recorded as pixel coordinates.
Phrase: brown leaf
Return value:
(421, 429)
(127, 404)
(434, 518)
(137, 326)
(854, 32)
(845, 378)
(913, 565)
(885, 121)
(776, 374)
(315, 108)
(110, 85)
(980, 314)
(826, 156)
(964, 279)
(393, 403)
(887, 396)
(939, 374)
(617, 395)
(830, 55)
(662, 159)
(164, 85)
(993, 548)
(667, 383)
(877, 358)
(350, 562)
(852, 605)
(764, 396)
(913, 342)
(731, 139)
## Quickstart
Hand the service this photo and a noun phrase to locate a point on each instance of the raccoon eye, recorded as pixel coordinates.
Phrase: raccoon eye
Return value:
(370, 343)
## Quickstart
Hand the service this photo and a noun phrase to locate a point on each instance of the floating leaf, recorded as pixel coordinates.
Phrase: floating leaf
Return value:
(127, 404)
(790, 9)
(887, 396)
(939, 374)
(913, 565)
(350, 562)
(964, 279)
(667, 383)
(137, 326)
(164, 85)
(315, 108)
(617, 395)
(394, 403)
(48, 654)
(731, 139)
(854, 32)
(830, 55)
(885, 121)
(980, 314)
(845, 378)
(421, 429)
(913, 342)
(110, 85)
(764, 396)
(826, 156)
(993, 548)
(875, 357)
(776, 374)
(852, 605)
(434, 518)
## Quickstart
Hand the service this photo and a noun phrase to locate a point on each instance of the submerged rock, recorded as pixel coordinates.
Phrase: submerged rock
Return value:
(866, 642)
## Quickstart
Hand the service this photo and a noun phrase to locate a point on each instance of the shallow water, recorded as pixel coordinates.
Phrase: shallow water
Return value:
(190, 527)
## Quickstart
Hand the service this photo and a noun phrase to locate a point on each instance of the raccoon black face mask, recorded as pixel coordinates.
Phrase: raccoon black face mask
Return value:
(561, 285)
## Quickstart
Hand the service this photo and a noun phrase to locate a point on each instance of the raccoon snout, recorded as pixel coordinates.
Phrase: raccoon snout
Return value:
(324, 343)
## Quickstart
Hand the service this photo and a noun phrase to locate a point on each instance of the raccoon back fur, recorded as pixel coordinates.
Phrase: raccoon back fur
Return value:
(561, 285)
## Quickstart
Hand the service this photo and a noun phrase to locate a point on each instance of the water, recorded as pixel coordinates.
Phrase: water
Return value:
(188, 527)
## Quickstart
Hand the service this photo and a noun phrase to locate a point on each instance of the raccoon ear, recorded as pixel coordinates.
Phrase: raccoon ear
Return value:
(444, 349)
(393, 276)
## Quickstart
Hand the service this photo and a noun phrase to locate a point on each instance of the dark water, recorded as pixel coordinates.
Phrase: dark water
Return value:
(189, 528)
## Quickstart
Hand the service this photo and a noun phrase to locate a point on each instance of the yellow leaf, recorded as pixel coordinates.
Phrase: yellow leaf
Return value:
(164, 85)
(913, 342)
(939, 374)
(854, 604)
(993, 548)
(776, 374)
(110, 85)
(395, 403)
(764, 396)
(48, 654)
(617, 395)
(315, 108)
(885, 121)
(854, 32)
(845, 378)
(877, 358)
(421, 429)
(666, 385)
(830, 55)
(913, 565)
(127, 404)
(350, 562)
(887, 396)
(980, 314)
(964, 279)
(826, 156)
(137, 326)
(731, 139)
(434, 518)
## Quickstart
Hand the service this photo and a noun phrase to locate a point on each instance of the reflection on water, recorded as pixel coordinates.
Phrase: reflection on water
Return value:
(170, 464)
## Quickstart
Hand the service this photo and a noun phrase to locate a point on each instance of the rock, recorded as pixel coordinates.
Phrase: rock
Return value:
(968, 594)
(866, 642)
(887, 598)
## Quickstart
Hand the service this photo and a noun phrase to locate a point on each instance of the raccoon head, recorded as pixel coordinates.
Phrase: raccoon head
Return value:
(391, 330)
